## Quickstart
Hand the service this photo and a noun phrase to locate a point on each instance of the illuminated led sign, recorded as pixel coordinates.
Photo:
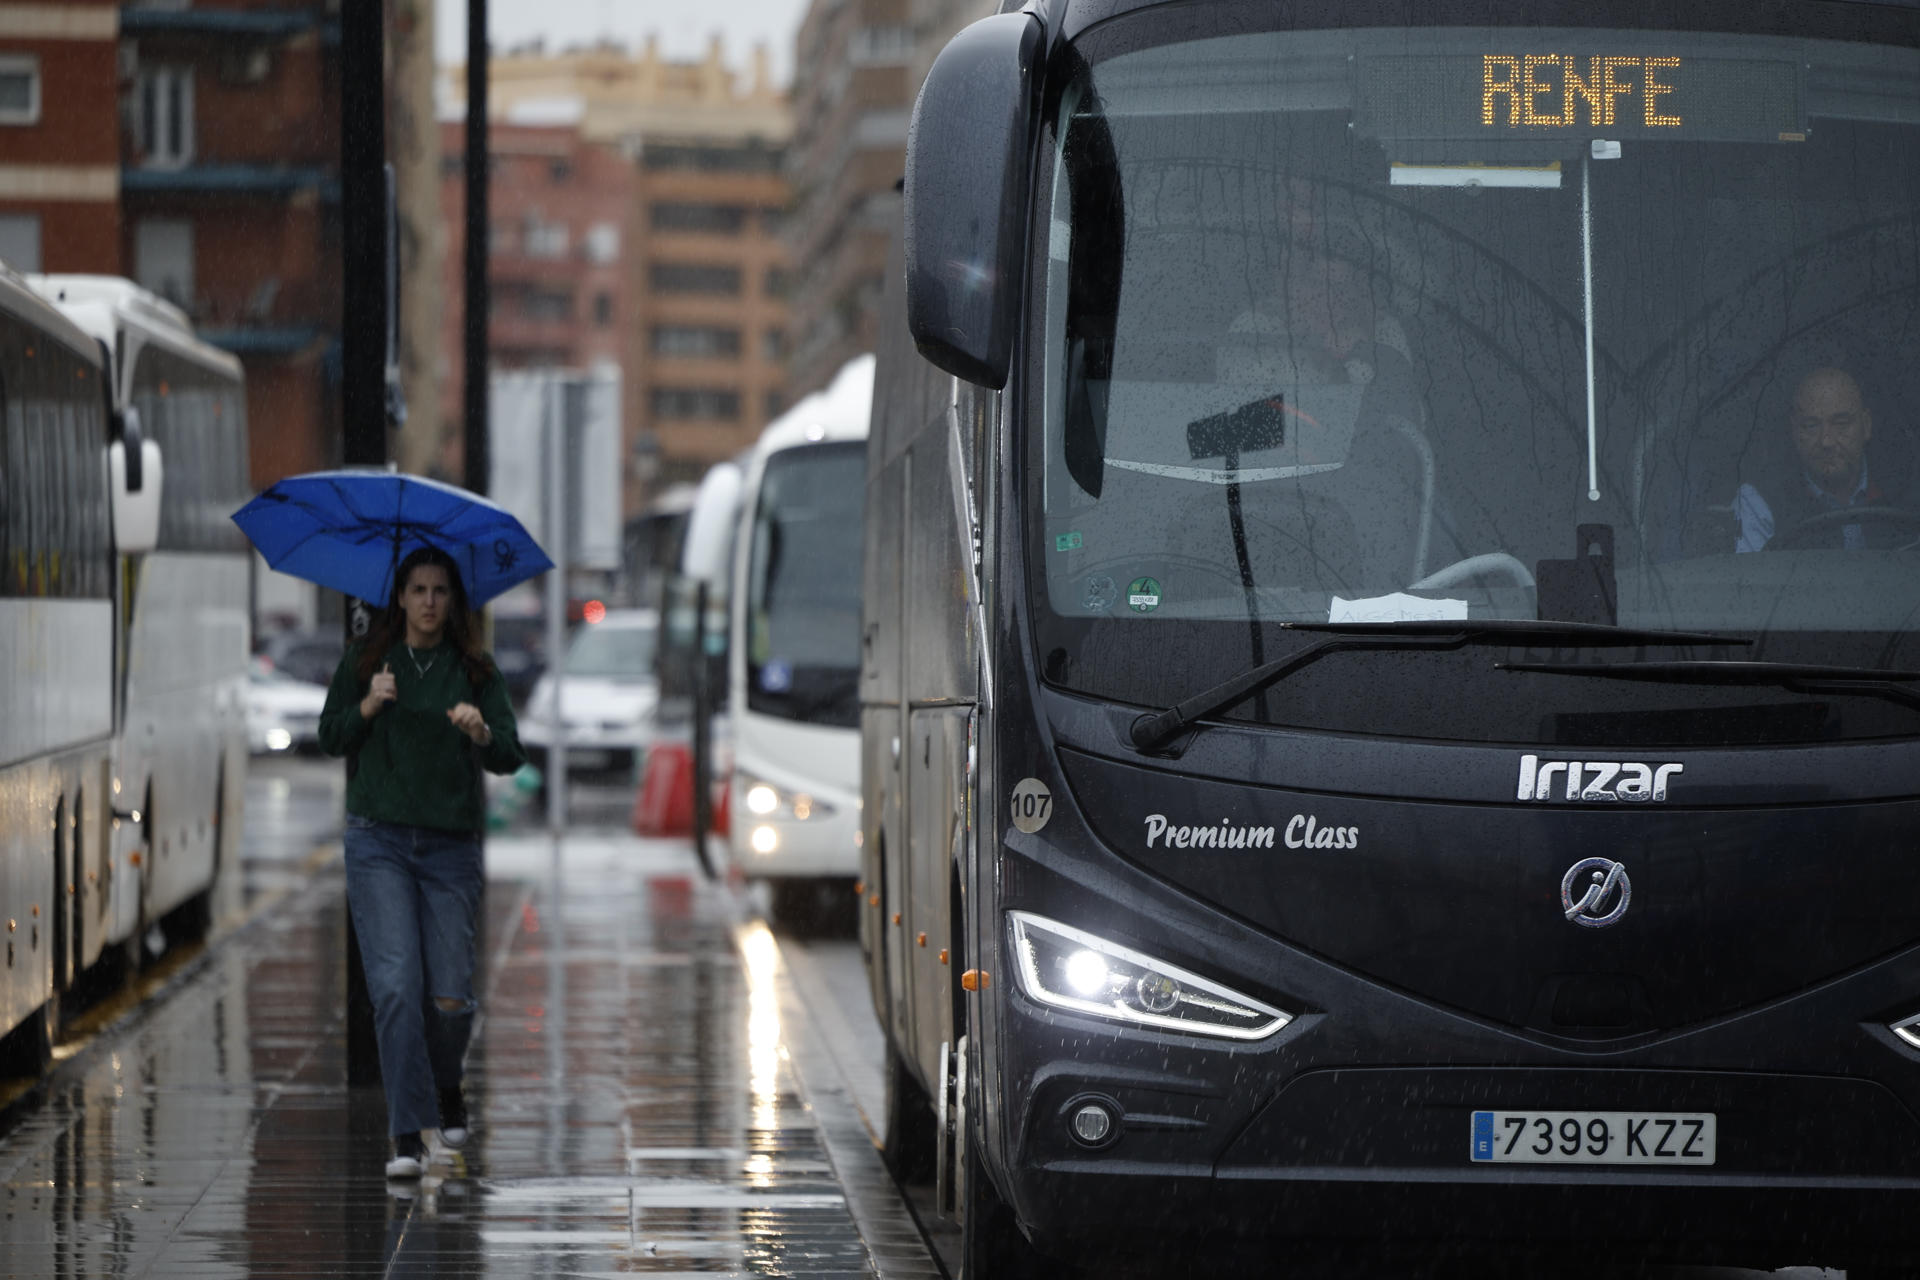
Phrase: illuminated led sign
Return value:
(1526, 93)
(1547, 90)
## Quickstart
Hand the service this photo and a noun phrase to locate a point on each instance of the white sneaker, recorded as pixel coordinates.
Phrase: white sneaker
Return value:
(409, 1157)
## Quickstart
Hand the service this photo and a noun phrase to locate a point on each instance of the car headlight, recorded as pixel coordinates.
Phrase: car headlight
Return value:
(1069, 968)
(764, 800)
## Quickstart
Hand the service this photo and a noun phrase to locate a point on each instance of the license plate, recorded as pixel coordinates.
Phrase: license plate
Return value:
(588, 758)
(1593, 1137)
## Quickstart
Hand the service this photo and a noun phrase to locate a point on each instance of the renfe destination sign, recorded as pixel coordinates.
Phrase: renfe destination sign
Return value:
(1546, 94)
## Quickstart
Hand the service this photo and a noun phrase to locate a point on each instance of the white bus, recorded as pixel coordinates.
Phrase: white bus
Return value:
(65, 492)
(181, 754)
(794, 653)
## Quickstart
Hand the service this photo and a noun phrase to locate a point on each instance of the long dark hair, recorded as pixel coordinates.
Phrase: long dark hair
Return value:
(390, 627)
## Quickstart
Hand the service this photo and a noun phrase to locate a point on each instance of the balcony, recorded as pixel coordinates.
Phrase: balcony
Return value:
(261, 318)
(230, 179)
(280, 23)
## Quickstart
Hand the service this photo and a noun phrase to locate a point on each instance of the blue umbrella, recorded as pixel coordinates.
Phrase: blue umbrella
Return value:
(349, 530)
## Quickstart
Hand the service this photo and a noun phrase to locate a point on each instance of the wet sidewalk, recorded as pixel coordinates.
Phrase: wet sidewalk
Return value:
(637, 1108)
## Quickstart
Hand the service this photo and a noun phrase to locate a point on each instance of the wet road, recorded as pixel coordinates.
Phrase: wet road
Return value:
(635, 1100)
(659, 1085)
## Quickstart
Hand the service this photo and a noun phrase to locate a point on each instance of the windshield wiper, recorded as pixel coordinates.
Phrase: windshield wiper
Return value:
(1154, 730)
(1800, 677)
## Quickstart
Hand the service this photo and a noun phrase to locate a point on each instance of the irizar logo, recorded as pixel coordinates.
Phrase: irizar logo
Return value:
(1595, 780)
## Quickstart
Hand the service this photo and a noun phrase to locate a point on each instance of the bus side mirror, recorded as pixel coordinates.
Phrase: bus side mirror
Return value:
(706, 550)
(134, 474)
(968, 177)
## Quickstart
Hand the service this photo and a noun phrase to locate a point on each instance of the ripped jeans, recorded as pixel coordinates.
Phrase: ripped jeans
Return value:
(414, 893)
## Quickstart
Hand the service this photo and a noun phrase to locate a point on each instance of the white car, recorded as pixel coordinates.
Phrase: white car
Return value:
(608, 697)
(283, 713)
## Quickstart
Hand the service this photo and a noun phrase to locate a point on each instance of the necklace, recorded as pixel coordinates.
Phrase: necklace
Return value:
(416, 661)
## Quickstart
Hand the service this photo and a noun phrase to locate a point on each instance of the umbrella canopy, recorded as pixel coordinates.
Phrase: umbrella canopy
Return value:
(349, 530)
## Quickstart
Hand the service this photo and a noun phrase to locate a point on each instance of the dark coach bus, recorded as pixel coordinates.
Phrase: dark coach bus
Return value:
(1390, 699)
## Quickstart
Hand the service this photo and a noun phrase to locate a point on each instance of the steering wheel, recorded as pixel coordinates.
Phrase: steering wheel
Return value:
(1813, 524)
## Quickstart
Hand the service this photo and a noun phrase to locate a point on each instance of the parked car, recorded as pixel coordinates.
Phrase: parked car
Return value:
(608, 699)
(283, 712)
(311, 656)
(519, 651)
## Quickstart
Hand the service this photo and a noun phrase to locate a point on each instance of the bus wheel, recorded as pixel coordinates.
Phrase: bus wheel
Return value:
(910, 1140)
(27, 1050)
(991, 1246)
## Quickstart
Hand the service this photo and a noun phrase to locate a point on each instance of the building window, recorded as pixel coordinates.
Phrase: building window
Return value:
(20, 241)
(775, 403)
(547, 306)
(545, 239)
(718, 219)
(773, 344)
(19, 89)
(163, 116)
(777, 282)
(696, 402)
(603, 309)
(749, 157)
(878, 46)
(601, 244)
(163, 258)
(690, 277)
(560, 170)
(702, 341)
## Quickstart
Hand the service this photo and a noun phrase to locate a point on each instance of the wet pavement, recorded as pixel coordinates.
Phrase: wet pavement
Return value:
(637, 1107)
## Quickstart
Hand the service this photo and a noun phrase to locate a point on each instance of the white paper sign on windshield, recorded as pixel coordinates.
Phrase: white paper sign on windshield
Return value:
(1398, 607)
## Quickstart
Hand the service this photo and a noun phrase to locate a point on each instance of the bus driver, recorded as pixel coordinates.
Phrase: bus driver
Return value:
(1829, 425)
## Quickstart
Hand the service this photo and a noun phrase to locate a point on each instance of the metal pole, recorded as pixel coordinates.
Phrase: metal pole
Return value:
(556, 464)
(478, 304)
(363, 355)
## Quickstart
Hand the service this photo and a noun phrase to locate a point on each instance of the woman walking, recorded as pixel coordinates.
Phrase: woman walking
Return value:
(419, 710)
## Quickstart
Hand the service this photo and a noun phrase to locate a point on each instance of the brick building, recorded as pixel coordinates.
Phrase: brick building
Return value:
(560, 210)
(702, 317)
(60, 136)
(230, 201)
(858, 67)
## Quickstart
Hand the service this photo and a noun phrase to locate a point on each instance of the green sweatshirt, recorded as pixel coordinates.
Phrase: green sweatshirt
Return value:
(414, 766)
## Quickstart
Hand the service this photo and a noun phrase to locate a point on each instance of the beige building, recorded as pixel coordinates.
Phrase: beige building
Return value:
(703, 318)
(858, 67)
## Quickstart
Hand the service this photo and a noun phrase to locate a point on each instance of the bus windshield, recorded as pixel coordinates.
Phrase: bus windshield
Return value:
(1378, 325)
(803, 596)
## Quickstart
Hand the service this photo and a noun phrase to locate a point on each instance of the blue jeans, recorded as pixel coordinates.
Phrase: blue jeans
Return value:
(414, 893)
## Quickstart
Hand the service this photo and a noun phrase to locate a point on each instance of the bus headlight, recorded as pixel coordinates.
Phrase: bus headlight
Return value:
(1908, 1030)
(764, 800)
(1069, 968)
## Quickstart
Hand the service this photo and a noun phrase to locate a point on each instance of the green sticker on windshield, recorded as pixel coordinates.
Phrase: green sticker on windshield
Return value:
(1069, 541)
(1143, 595)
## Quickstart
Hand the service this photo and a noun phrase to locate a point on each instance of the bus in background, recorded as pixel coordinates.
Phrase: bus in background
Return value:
(180, 770)
(1391, 698)
(794, 654)
(71, 511)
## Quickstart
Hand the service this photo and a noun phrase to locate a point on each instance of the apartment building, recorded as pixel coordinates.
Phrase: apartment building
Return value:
(60, 136)
(858, 67)
(559, 214)
(230, 201)
(702, 317)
